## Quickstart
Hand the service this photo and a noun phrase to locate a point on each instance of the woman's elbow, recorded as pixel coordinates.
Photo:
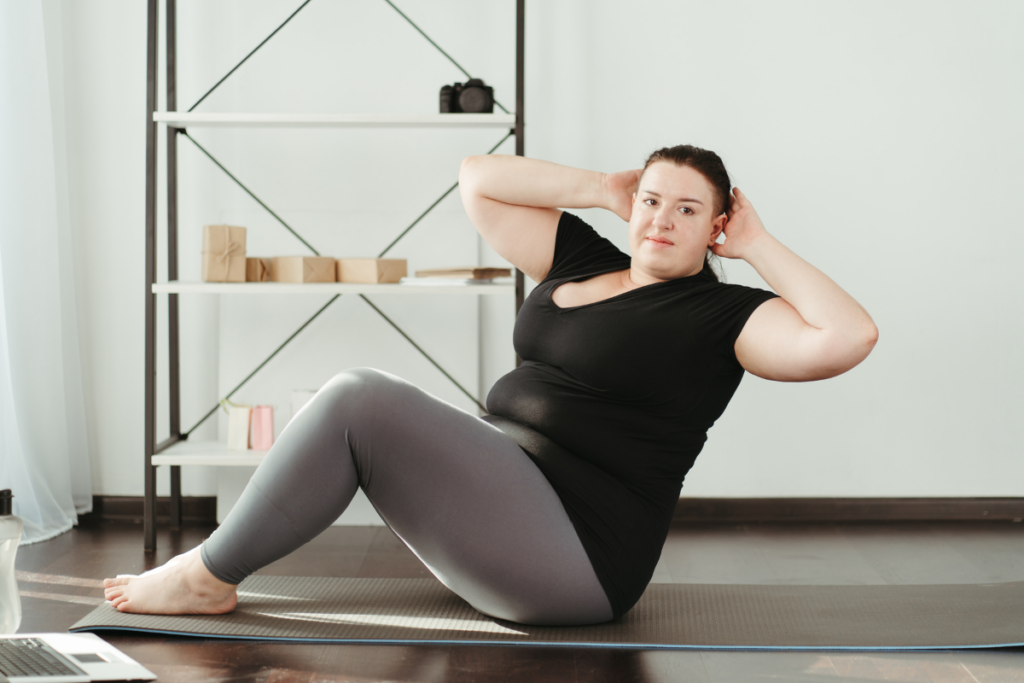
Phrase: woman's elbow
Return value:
(858, 348)
(840, 354)
(863, 346)
(871, 337)
(469, 172)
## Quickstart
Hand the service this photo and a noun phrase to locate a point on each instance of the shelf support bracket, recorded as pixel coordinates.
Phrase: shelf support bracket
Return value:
(260, 366)
(425, 354)
(217, 84)
(213, 410)
(431, 207)
(429, 40)
(249, 192)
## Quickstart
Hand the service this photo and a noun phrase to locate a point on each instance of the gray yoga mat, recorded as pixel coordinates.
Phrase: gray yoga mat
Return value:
(672, 616)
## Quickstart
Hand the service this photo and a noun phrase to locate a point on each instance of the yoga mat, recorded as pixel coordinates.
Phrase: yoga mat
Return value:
(671, 616)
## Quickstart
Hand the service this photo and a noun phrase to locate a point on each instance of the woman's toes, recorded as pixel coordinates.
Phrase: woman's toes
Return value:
(121, 580)
(115, 592)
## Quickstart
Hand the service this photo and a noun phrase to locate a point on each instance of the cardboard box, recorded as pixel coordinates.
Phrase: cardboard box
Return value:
(223, 253)
(375, 270)
(257, 270)
(302, 269)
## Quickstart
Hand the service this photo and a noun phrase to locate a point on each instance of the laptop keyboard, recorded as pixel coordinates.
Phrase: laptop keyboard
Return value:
(31, 657)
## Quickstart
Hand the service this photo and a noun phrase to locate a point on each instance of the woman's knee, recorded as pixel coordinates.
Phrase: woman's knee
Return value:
(361, 393)
(363, 383)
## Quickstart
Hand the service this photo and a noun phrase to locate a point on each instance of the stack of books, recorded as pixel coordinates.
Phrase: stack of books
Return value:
(456, 276)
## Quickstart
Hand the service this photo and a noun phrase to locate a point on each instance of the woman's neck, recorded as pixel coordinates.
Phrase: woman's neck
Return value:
(634, 277)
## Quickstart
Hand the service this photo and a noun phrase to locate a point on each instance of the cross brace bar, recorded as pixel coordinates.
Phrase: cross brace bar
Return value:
(461, 388)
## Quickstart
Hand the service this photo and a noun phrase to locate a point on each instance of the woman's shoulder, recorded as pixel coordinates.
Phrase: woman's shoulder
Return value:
(579, 249)
(717, 297)
(711, 284)
(719, 310)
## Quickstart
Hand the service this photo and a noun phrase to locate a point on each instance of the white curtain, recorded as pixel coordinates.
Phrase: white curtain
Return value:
(44, 456)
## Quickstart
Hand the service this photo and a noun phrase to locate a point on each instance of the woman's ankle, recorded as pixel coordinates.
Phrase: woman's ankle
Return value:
(200, 573)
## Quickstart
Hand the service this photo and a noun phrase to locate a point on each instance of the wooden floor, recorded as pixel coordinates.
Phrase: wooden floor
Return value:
(59, 581)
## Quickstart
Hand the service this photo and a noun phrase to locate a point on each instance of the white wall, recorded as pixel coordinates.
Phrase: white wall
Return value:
(880, 141)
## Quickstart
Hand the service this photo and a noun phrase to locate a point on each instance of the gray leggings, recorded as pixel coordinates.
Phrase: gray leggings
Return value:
(459, 492)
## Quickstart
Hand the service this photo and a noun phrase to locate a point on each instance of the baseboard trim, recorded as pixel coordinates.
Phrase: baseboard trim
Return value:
(848, 509)
(194, 509)
(203, 509)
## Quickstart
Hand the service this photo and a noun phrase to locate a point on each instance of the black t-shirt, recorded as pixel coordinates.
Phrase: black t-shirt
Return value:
(628, 387)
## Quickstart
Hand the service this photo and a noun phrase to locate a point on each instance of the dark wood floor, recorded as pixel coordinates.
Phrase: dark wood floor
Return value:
(60, 583)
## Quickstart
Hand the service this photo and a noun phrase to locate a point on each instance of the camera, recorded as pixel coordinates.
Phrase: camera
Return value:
(469, 97)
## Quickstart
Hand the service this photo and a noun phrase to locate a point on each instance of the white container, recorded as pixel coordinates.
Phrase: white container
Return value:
(11, 527)
(238, 425)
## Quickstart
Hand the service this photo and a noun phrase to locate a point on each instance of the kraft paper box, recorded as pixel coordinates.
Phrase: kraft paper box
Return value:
(257, 270)
(302, 269)
(223, 253)
(375, 270)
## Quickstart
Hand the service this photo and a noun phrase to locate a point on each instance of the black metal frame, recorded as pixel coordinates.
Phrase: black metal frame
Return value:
(152, 448)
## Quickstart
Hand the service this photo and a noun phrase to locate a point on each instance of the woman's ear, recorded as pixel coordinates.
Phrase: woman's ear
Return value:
(717, 227)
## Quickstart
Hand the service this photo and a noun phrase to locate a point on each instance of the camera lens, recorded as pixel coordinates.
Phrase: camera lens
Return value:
(473, 100)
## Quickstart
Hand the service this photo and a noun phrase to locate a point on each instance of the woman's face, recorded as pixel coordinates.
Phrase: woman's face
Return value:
(672, 223)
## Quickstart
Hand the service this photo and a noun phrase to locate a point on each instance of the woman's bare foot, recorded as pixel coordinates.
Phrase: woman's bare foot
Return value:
(182, 586)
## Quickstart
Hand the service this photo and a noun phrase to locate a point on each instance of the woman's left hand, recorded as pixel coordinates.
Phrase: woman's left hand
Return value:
(743, 228)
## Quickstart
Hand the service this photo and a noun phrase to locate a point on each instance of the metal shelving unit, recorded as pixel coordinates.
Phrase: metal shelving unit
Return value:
(177, 450)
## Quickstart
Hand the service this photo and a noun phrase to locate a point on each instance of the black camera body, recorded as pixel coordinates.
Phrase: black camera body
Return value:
(471, 97)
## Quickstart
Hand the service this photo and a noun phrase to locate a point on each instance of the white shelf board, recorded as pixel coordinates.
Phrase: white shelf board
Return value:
(327, 288)
(181, 119)
(207, 453)
(181, 287)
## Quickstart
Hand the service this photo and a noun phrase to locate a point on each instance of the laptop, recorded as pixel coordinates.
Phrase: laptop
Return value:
(65, 658)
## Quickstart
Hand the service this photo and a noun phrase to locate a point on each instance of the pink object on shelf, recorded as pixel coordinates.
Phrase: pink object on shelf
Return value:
(262, 428)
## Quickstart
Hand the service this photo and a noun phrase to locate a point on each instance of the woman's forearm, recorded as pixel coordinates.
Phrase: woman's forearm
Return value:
(532, 182)
(819, 301)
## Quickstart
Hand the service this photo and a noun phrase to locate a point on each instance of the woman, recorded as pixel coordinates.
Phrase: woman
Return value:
(554, 508)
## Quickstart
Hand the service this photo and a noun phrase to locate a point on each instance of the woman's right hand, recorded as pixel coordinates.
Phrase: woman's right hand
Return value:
(618, 192)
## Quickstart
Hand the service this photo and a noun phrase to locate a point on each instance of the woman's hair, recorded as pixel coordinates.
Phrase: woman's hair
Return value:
(709, 165)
